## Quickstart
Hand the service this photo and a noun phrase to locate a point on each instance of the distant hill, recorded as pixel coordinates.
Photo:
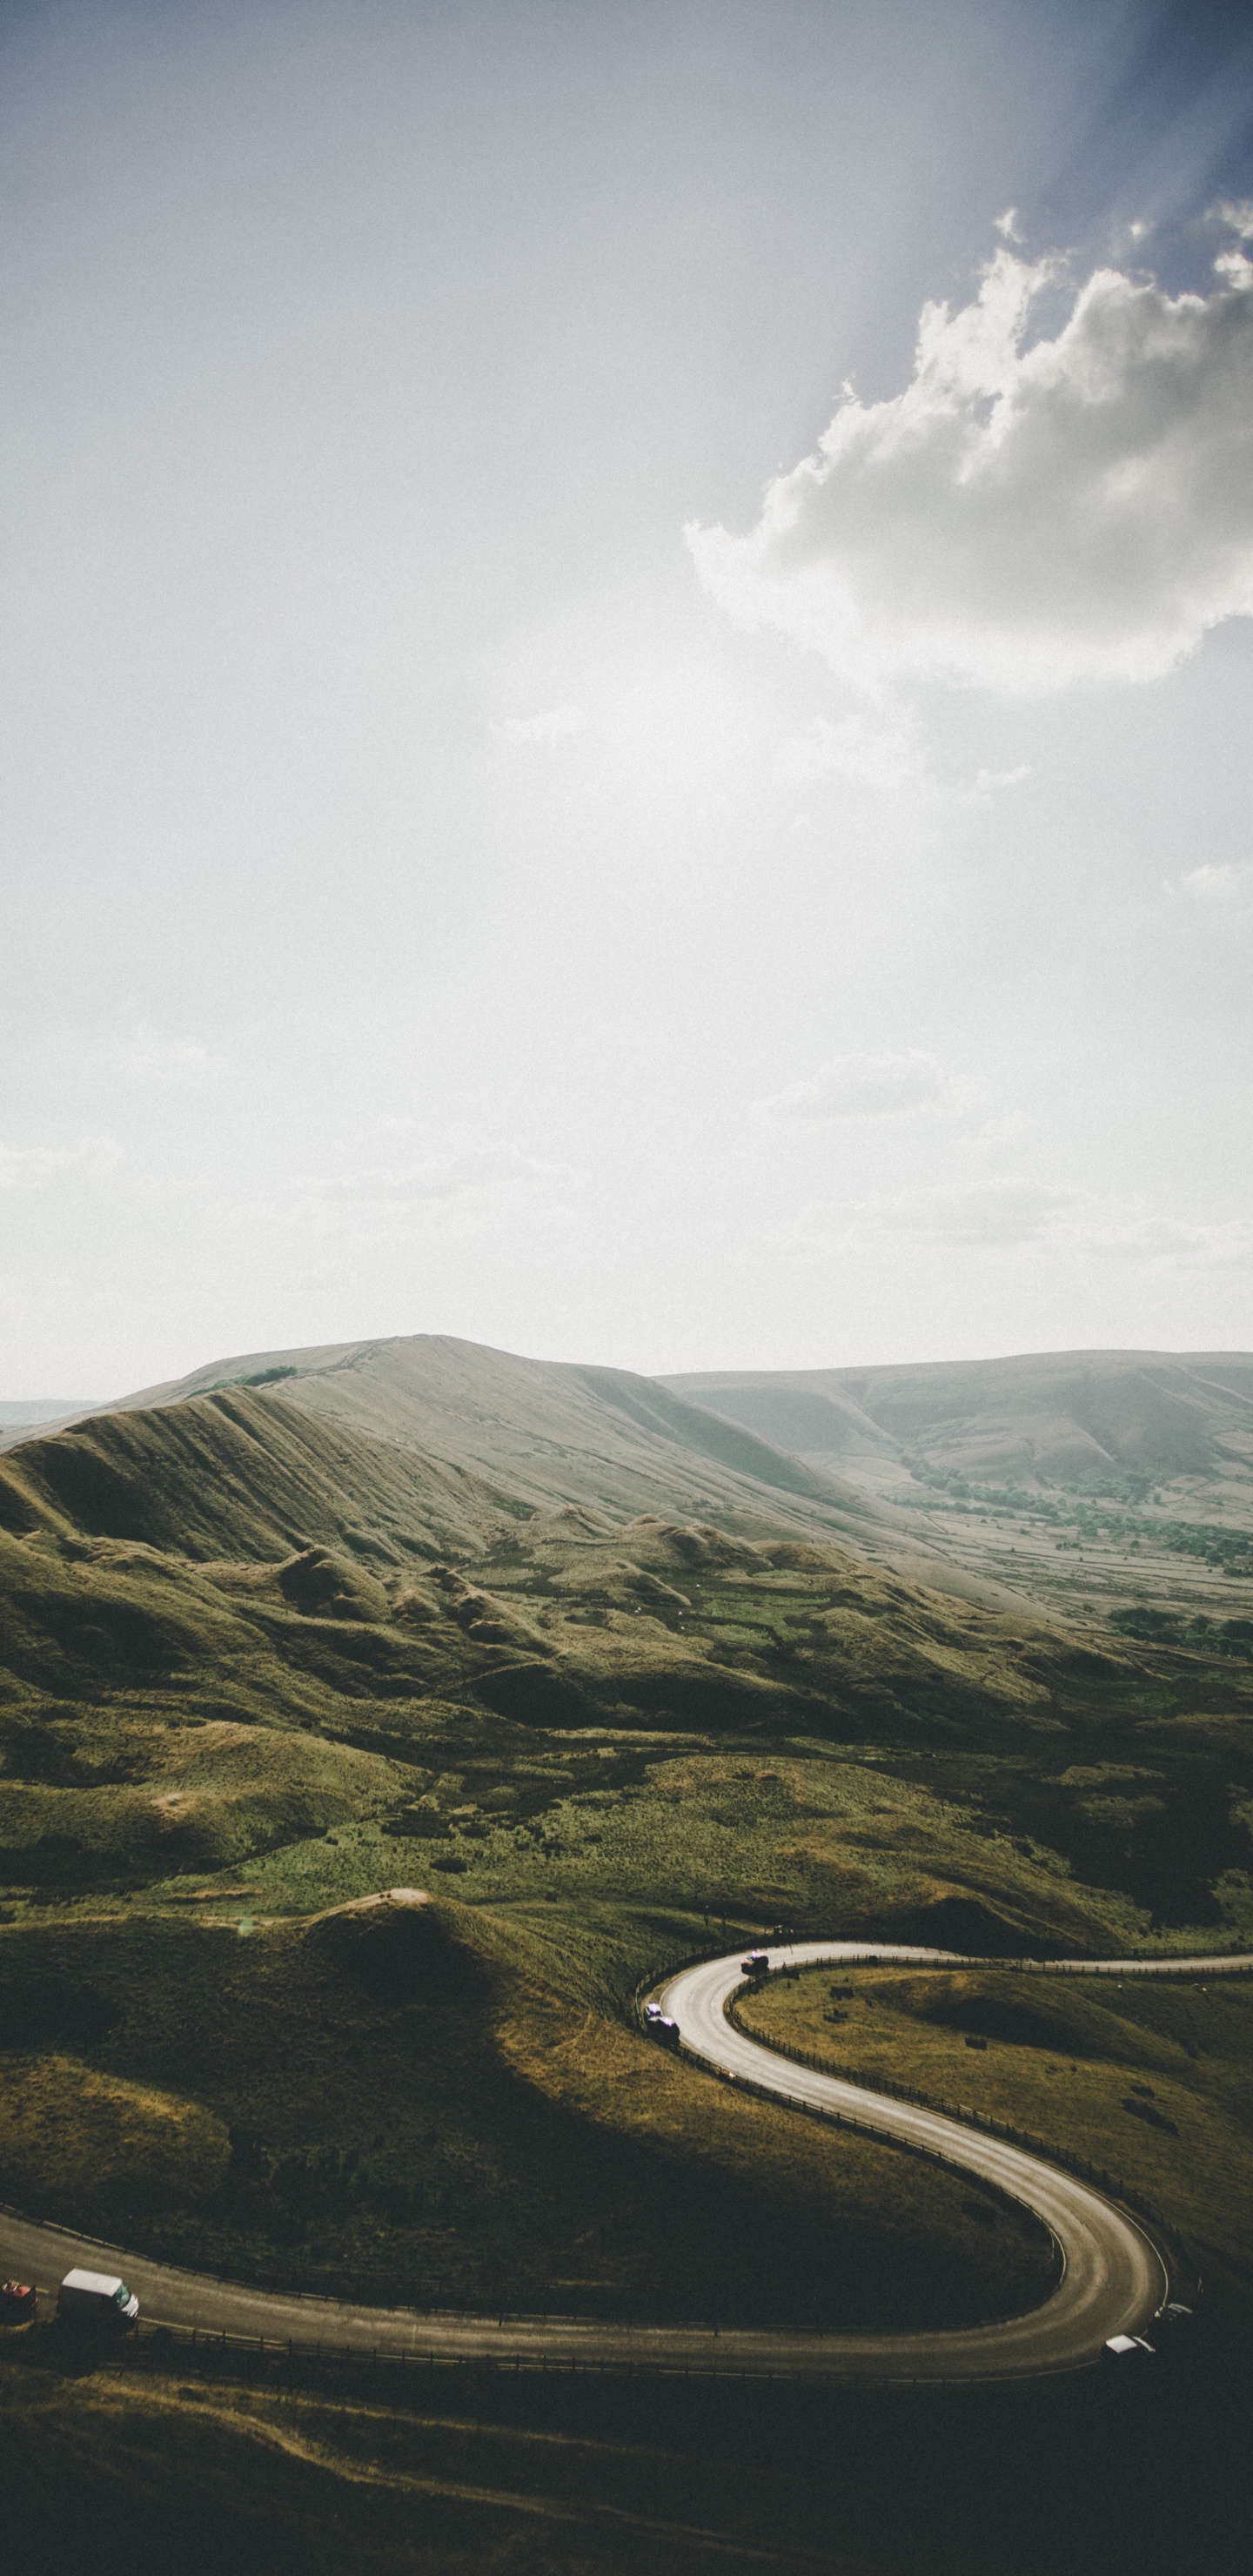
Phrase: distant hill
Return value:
(539, 1432)
(1083, 1420)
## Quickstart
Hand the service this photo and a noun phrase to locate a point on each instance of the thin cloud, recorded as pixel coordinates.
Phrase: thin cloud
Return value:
(555, 724)
(156, 1057)
(870, 1086)
(484, 1170)
(1220, 886)
(880, 750)
(867, 753)
(1012, 1215)
(1024, 515)
(24, 1166)
(471, 1184)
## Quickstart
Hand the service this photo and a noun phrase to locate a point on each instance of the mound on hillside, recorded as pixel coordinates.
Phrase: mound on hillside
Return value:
(394, 1945)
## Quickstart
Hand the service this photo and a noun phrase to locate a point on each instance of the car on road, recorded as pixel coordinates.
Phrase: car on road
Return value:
(98, 2301)
(757, 1964)
(1127, 2348)
(18, 2301)
(666, 2030)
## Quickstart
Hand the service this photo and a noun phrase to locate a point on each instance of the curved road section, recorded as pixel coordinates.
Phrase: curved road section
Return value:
(1113, 2277)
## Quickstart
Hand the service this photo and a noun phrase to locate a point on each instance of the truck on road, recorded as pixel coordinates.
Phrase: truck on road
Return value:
(99, 2300)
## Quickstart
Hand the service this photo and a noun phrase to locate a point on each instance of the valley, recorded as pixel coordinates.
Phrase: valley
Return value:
(593, 1683)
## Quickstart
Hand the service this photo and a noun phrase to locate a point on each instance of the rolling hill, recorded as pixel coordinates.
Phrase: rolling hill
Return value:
(1085, 1421)
(542, 1433)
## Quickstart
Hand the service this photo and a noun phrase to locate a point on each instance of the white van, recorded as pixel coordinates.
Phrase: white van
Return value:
(99, 2299)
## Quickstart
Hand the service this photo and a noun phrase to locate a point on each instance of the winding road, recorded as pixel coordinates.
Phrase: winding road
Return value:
(1112, 2276)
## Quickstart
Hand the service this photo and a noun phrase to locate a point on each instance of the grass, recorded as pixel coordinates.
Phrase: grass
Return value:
(1152, 2083)
(452, 2472)
(254, 1666)
(128, 2474)
(74, 2137)
(412, 2109)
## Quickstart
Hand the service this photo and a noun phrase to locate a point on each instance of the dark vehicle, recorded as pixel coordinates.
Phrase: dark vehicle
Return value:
(757, 1964)
(17, 2303)
(666, 2030)
(98, 2301)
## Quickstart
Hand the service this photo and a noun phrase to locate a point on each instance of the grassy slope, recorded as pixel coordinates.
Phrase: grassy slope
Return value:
(546, 1432)
(1153, 2084)
(403, 2102)
(119, 2472)
(248, 1649)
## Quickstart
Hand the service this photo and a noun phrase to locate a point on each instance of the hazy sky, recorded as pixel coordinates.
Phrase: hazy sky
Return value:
(628, 687)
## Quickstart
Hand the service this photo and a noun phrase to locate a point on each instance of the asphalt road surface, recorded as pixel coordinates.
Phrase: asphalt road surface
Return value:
(1113, 2276)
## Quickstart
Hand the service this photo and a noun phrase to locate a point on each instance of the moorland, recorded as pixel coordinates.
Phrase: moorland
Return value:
(614, 1678)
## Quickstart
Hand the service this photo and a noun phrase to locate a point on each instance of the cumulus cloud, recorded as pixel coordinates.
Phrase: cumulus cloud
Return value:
(870, 1086)
(1027, 513)
(23, 1166)
(556, 724)
(1237, 214)
(1013, 1215)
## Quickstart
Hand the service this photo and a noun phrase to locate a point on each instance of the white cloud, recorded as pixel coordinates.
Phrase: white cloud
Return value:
(556, 724)
(156, 1057)
(479, 1171)
(1237, 214)
(1013, 1215)
(22, 1166)
(1220, 886)
(881, 751)
(870, 1086)
(988, 781)
(471, 1184)
(1007, 225)
(866, 752)
(1023, 516)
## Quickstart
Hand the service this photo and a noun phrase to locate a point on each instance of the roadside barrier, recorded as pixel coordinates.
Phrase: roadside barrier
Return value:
(154, 2348)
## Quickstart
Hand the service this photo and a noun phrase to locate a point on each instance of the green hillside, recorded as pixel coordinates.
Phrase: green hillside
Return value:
(258, 1665)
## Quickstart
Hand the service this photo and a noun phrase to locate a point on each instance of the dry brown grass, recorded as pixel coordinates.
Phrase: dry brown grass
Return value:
(66, 2128)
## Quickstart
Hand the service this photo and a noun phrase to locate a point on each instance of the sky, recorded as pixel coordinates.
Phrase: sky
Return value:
(628, 680)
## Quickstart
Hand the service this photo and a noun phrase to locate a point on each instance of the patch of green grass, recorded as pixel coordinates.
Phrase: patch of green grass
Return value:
(1152, 2083)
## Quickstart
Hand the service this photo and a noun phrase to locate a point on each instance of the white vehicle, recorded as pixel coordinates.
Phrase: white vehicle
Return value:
(1127, 2348)
(97, 2299)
